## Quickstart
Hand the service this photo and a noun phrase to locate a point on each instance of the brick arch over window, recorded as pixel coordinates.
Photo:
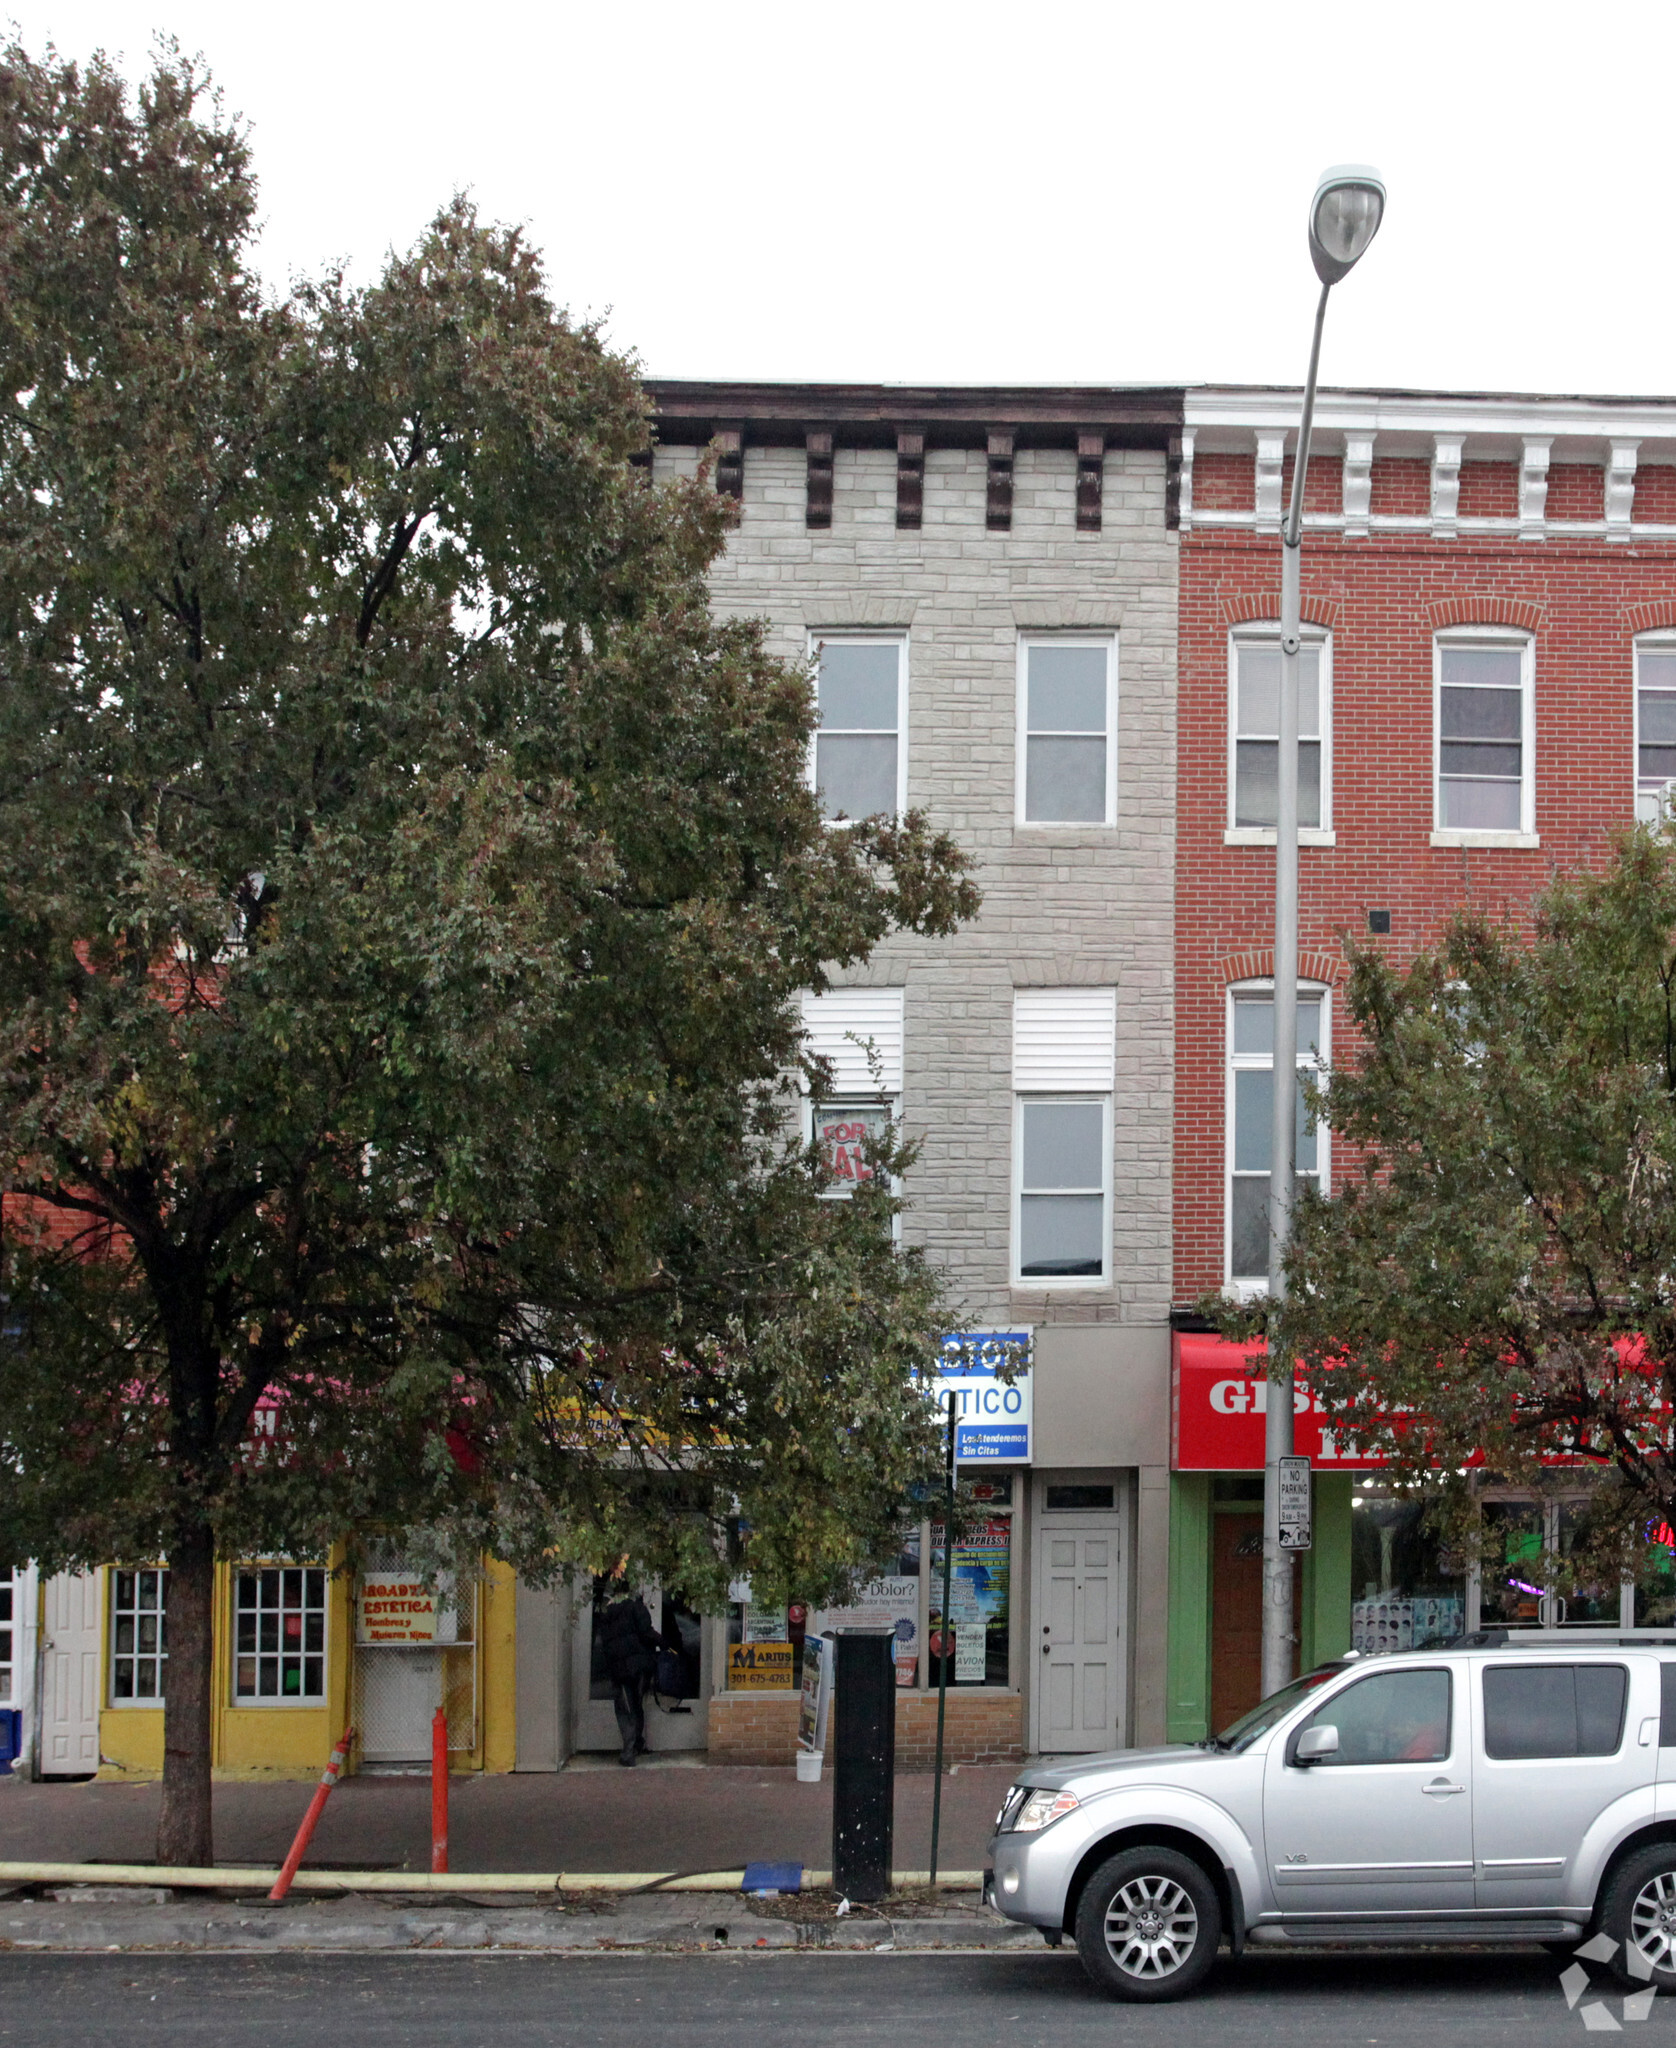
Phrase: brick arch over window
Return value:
(1256, 963)
(1236, 608)
(1657, 615)
(1484, 611)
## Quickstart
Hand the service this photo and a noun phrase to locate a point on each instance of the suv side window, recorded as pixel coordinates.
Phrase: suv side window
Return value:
(1554, 1709)
(1667, 1706)
(1398, 1717)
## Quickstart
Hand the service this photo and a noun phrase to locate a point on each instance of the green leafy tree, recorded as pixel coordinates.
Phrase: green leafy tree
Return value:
(405, 886)
(1492, 1290)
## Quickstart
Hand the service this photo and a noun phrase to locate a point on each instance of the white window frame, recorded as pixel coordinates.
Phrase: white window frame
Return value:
(1109, 641)
(1311, 991)
(1049, 1283)
(1649, 808)
(113, 1615)
(818, 640)
(1488, 636)
(241, 1702)
(1261, 633)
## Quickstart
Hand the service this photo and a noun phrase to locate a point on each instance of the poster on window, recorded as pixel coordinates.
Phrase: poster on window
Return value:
(765, 1624)
(842, 1135)
(891, 1603)
(979, 1591)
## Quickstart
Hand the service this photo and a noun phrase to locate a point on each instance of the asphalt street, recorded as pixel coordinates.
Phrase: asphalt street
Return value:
(719, 2001)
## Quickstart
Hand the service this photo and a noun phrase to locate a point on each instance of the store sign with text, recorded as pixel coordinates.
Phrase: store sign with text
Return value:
(991, 1414)
(395, 1607)
(760, 1667)
(1219, 1409)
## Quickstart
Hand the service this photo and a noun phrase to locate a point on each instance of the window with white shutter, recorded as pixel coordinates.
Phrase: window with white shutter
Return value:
(1064, 1060)
(858, 1031)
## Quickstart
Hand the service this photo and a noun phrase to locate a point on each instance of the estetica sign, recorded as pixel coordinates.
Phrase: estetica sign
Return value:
(1218, 1412)
(991, 1415)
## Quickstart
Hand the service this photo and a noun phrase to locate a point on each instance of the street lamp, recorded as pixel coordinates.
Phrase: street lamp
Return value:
(1344, 217)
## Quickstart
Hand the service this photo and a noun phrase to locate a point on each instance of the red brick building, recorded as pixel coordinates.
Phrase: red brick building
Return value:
(1489, 596)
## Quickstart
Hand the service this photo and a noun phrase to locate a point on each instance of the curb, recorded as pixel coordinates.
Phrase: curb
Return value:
(238, 1877)
(244, 1926)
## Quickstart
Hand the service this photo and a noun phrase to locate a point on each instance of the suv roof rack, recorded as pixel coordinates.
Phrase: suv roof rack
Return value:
(1554, 1638)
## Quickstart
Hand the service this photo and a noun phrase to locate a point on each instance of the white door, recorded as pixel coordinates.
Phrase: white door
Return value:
(71, 1640)
(1080, 1652)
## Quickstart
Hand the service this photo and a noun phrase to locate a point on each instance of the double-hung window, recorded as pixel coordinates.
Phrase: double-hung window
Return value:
(1655, 726)
(1485, 780)
(859, 760)
(1067, 706)
(1250, 1119)
(1254, 732)
(139, 1647)
(1064, 1053)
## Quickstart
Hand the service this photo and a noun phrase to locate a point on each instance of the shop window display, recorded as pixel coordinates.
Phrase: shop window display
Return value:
(1406, 1593)
(1520, 1535)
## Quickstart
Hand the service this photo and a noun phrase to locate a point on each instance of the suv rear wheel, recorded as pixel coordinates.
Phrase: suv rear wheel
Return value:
(1148, 1925)
(1639, 1910)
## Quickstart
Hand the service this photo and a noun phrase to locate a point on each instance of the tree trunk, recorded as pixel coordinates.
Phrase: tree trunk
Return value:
(183, 1825)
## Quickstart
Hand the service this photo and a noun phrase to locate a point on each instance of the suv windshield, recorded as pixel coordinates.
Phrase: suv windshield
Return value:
(1242, 1733)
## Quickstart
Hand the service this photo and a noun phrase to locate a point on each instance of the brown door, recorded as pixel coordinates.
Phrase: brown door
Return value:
(1236, 1617)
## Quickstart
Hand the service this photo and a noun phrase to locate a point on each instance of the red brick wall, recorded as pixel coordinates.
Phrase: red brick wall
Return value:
(1383, 598)
(982, 1728)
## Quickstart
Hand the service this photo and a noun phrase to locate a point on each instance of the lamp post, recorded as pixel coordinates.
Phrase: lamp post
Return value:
(1343, 219)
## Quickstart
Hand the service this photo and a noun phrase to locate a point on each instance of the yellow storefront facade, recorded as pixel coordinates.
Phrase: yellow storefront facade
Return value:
(296, 1660)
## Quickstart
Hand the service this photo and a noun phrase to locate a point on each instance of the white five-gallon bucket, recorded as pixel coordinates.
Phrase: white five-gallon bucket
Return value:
(809, 1763)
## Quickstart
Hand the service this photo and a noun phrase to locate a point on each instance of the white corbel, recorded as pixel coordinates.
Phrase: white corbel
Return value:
(1271, 472)
(1533, 488)
(1184, 480)
(1446, 484)
(1620, 488)
(1358, 484)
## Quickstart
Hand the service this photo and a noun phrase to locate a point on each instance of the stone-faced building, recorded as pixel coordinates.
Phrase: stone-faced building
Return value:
(986, 581)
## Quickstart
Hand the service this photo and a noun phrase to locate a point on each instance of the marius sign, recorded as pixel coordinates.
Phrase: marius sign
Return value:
(991, 1415)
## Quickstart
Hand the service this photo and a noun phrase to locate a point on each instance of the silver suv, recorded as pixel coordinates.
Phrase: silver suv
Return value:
(1509, 1787)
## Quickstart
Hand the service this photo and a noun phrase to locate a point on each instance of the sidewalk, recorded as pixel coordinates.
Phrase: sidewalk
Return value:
(658, 1817)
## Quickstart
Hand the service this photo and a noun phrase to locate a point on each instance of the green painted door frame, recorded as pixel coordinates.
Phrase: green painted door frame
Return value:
(1324, 1620)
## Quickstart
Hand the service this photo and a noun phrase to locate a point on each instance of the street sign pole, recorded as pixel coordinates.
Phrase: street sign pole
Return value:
(943, 1659)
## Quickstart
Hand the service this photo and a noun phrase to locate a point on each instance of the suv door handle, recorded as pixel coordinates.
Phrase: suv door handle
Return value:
(1441, 1788)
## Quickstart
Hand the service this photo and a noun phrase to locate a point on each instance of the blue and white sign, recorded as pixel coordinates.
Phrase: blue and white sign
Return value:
(992, 1417)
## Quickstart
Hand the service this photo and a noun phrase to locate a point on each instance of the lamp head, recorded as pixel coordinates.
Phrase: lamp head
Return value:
(1344, 217)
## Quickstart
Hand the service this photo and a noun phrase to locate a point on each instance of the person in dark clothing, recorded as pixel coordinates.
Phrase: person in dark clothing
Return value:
(629, 1651)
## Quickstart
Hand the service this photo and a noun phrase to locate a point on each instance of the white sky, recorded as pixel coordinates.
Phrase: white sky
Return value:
(970, 193)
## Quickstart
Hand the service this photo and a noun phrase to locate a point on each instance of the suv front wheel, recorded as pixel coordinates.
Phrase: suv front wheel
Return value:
(1639, 1910)
(1148, 1925)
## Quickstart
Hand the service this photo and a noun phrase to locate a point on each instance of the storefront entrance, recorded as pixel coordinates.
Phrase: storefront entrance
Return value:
(1080, 1612)
(677, 1716)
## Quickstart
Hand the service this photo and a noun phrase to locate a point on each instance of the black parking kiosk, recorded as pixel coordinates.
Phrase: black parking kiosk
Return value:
(863, 1762)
